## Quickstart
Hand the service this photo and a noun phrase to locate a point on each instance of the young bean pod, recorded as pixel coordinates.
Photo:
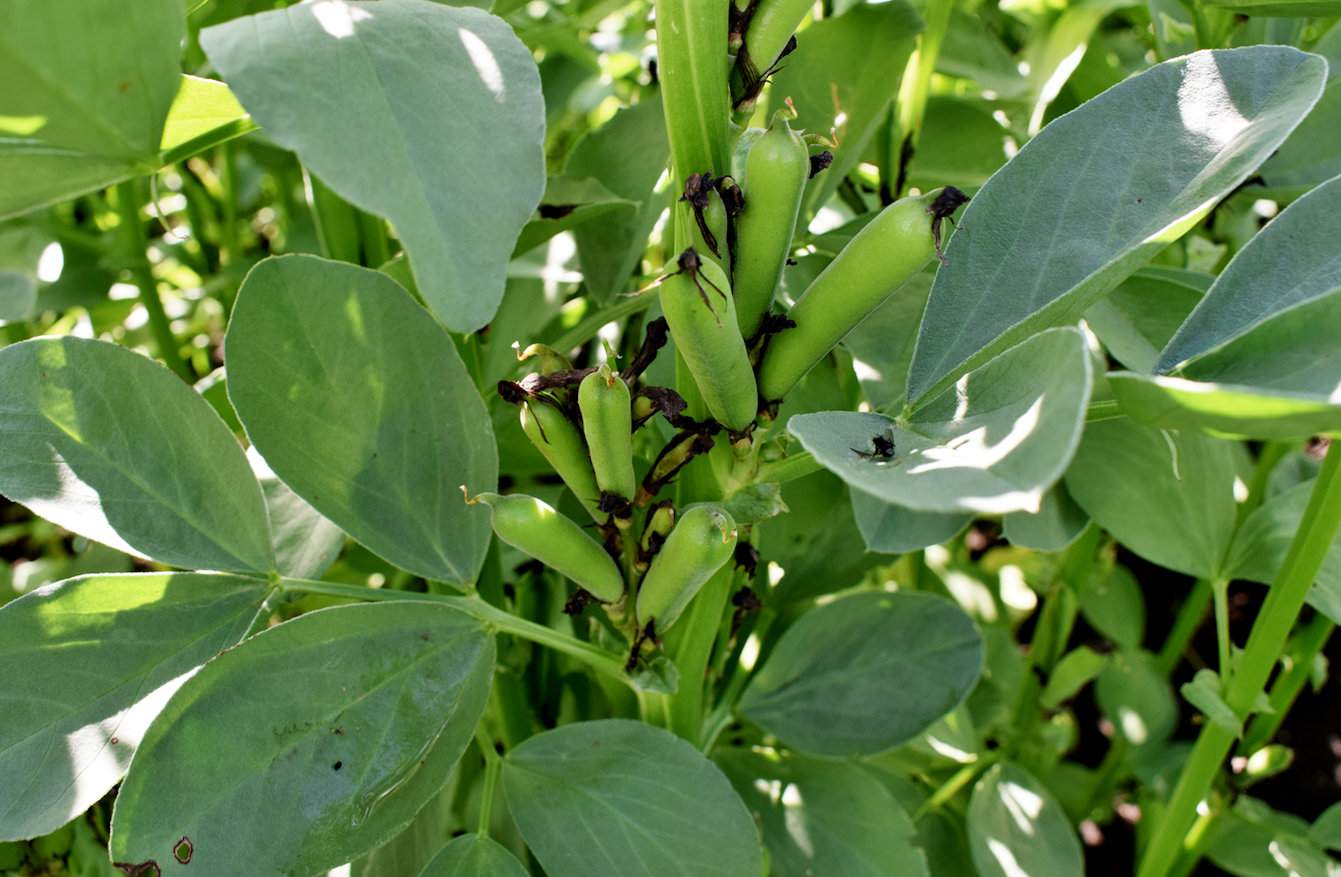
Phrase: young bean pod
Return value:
(660, 520)
(892, 247)
(776, 171)
(769, 28)
(538, 530)
(703, 540)
(697, 303)
(607, 422)
(559, 442)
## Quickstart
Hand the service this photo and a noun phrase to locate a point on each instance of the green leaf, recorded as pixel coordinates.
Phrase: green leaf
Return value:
(307, 744)
(1090, 199)
(88, 663)
(755, 503)
(88, 84)
(1252, 364)
(824, 817)
(960, 144)
(1326, 829)
(1057, 523)
(428, 115)
(1058, 51)
(1114, 606)
(973, 51)
(893, 529)
(882, 344)
(1167, 496)
(817, 542)
(1135, 694)
(865, 673)
(1251, 839)
(1203, 692)
(617, 797)
(1015, 827)
(1138, 318)
(113, 446)
(995, 443)
(201, 107)
(305, 542)
(1073, 672)
(473, 855)
(1311, 155)
(567, 203)
(1263, 541)
(839, 84)
(627, 155)
(359, 401)
(1291, 262)
(1278, 8)
(18, 295)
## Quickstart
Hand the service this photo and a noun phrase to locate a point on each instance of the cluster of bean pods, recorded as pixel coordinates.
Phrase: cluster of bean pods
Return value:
(732, 239)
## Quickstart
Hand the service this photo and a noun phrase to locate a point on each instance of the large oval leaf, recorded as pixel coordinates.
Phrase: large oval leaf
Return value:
(1258, 356)
(1261, 544)
(307, 744)
(115, 447)
(1091, 198)
(993, 443)
(1169, 497)
(621, 798)
(824, 817)
(1016, 828)
(88, 663)
(865, 673)
(88, 84)
(473, 855)
(360, 403)
(1292, 261)
(426, 114)
(893, 529)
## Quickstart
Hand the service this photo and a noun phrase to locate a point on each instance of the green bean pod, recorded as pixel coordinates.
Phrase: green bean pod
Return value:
(660, 521)
(771, 26)
(537, 529)
(702, 316)
(776, 171)
(607, 422)
(559, 442)
(892, 248)
(702, 541)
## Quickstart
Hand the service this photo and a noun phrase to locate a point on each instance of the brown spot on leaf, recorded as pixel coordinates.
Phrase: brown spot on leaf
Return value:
(183, 849)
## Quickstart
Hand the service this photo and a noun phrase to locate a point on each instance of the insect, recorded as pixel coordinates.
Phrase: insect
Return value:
(882, 447)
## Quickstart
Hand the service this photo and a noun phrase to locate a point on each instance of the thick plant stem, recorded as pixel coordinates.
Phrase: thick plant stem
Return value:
(1220, 594)
(1286, 598)
(136, 244)
(492, 766)
(1302, 651)
(594, 657)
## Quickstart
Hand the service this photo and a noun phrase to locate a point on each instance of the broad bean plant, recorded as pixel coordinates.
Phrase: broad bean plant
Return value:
(690, 437)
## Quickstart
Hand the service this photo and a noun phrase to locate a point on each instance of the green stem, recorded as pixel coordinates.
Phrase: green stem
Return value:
(789, 468)
(1285, 599)
(956, 783)
(1220, 596)
(1105, 409)
(492, 766)
(136, 246)
(214, 137)
(1185, 625)
(587, 327)
(1303, 650)
(596, 658)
